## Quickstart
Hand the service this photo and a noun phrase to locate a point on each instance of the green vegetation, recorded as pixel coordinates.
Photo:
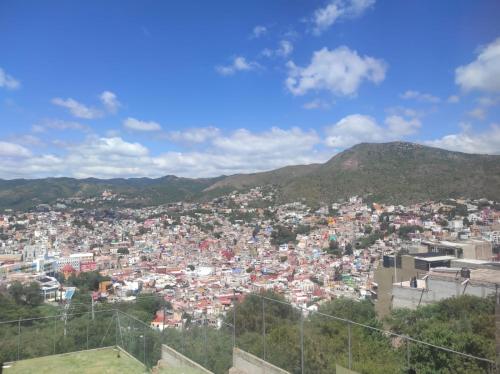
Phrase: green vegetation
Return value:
(405, 231)
(392, 172)
(282, 235)
(463, 324)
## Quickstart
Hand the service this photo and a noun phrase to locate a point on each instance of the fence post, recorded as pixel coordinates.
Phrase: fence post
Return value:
(55, 328)
(145, 346)
(88, 323)
(301, 340)
(234, 318)
(205, 340)
(408, 353)
(263, 329)
(116, 328)
(349, 342)
(18, 338)
(183, 344)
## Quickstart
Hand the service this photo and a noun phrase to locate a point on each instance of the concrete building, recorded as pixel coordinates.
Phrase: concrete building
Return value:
(443, 283)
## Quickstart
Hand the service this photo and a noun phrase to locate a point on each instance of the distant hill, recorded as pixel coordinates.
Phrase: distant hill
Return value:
(386, 172)
(395, 172)
(26, 193)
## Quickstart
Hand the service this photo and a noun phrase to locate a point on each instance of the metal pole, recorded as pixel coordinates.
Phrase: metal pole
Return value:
(183, 338)
(145, 345)
(18, 338)
(164, 316)
(408, 353)
(205, 338)
(302, 341)
(55, 327)
(234, 319)
(88, 323)
(263, 330)
(116, 328)
(349, 341)
(92, 300)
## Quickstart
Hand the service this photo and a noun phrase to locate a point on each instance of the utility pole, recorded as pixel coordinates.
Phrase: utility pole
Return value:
(497, 327)
(92, 300)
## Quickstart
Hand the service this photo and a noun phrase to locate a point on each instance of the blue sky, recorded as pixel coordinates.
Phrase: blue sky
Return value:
(197, 88)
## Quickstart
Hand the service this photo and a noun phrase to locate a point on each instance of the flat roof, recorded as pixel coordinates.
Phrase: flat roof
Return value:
(476, 275)
(436, 258)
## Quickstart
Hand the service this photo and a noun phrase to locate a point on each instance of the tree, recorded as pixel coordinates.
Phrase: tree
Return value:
(123, 251)
(16, 290)
(348, 249)
(32, 294)
(333, 248)
(282, 235)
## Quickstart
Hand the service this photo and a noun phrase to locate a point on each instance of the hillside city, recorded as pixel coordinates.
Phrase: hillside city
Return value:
(200, 256)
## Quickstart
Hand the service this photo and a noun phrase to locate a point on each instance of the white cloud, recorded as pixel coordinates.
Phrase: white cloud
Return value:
(453, 99)
(7, 81)
(420, 96)
(137, 125)
(340, 71)
(284, 49)
(77, 109)
(478, 113)
(59, 125)
(195, 135)
(316, 104)
(337, 10)
(239, 64)
(468, 141)
(483, 74)
(110, 101)
(237, 152)
(359, 128)
(399, 126)
(275, 140)
(8, 149)
(258, 31)
(354, 129)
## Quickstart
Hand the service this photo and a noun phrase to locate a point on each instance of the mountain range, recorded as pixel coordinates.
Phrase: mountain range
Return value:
(396, 172)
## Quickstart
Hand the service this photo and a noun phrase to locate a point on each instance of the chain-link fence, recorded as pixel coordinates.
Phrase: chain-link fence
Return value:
(295, 339)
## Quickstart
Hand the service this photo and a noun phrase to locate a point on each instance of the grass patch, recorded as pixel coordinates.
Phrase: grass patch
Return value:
(95, 361)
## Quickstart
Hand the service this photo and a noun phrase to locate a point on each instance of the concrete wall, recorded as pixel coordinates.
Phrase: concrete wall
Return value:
(437, 289)
(246, 363)
(171, 358)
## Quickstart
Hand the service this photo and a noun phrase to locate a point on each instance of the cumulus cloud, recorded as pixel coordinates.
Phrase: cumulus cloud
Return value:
(241, 151)
(337, 10)
(7, 81)
(239, 64)
(110, 101)
(258, 31)
(420, 96)
(194, 136)
(284, 49)
(316, 104)
(359, 128)
(77, 109)
(468, 141)
(477, 113)
(482, 74)
(59, 125)
(399, 126)
(354, 129)
(8, 149)
(453, 99)
(137, 125)
(340, 71)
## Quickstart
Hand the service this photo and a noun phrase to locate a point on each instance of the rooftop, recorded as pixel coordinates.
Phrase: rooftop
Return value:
(95, 361)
